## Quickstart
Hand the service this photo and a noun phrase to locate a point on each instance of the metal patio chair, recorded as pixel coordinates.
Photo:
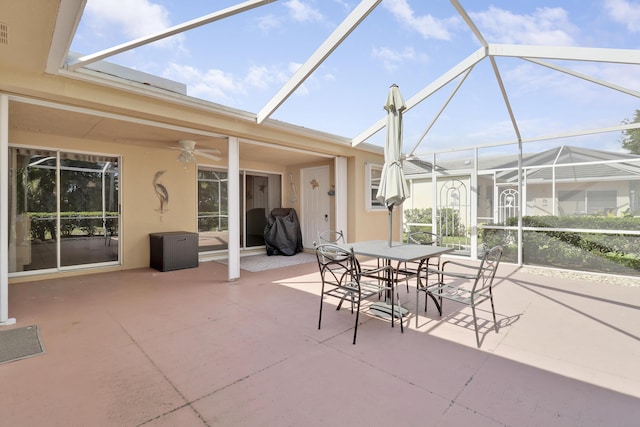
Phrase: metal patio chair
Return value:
(410, 269)
(470, 285)
(331, 236)
(344, 279)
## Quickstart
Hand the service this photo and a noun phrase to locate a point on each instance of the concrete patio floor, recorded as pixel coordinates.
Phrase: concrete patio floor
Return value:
(189, 348)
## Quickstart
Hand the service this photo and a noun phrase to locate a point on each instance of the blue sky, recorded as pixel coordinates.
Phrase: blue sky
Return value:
(242, 62)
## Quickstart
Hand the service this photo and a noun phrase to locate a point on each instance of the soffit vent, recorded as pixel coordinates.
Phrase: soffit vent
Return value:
(4, 33)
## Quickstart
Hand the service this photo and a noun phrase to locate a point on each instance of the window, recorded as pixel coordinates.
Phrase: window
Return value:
(63, 209)
(587, 202)
(372, 181)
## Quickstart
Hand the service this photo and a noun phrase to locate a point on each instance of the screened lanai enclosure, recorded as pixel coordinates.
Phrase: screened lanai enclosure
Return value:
(565, 207)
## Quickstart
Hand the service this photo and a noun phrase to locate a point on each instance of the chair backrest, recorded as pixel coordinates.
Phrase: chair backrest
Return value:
(487, 269)
(423, 238)
(331, 236)
(336, 262)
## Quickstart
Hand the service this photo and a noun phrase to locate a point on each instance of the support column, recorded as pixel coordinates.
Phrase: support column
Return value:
(233, 208)
(4, 212)
(341, 183)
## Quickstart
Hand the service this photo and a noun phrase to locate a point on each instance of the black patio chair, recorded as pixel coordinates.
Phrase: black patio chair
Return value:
(409, 270)
(470, 285)
(344, 279)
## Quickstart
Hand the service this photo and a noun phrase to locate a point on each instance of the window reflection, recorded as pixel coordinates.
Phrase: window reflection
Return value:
(78, 226)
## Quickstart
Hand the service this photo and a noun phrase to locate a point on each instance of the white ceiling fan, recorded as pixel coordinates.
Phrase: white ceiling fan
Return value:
(189, 151)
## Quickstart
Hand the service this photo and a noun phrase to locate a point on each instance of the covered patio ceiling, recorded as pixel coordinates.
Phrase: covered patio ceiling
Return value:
(49, 118)
(466, 84)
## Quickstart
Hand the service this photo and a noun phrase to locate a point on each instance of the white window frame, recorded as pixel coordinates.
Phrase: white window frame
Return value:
(371, 204)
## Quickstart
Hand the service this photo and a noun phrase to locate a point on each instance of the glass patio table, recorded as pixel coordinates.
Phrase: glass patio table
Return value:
(398, 251)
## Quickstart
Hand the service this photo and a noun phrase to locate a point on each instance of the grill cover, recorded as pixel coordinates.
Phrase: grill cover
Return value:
(282, 235)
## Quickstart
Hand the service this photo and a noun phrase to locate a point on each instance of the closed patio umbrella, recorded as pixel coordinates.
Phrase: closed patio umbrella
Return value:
(393, 186)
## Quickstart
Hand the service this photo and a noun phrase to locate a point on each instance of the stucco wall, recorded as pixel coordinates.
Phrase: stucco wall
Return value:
(368, 224)
(140, 161)
(140, 205)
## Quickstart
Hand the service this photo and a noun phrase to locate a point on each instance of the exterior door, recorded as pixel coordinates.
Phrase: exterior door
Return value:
(315, 203)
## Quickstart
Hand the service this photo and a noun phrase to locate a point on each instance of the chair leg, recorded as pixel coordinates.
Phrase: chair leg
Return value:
(355, 330)
(417, 304)
(427, 295)
(435, 301)
(406, 277)
(493, 310)
(475, 324)
(400, 312)
(320, 315)
(393, 307)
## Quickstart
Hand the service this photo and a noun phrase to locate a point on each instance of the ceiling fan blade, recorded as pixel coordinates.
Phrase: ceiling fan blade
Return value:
(209, 150)
(209, 156)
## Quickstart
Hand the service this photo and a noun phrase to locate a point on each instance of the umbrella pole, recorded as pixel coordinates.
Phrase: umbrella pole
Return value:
(390, 223)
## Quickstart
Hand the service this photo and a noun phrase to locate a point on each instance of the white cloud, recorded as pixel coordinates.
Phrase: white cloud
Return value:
(219, 86)
(132, 18)
(135, 18)
(303, 12)
(427, 26)
(499, 130)
(344, 4)
(545, 26)
(259, 77)
(624, 12)
(213, 84)
(269, 22)
(529, 78)
(394, 59)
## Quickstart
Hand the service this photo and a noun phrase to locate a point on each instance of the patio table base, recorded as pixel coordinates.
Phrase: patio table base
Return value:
(383, 309)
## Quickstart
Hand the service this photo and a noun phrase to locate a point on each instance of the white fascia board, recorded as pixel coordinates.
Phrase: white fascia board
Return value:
(109, 70)
(619, 56)
(467, 63)
(326, 48)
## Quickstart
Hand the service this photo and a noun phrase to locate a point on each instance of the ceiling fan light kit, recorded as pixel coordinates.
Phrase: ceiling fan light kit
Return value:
(186, 157)
(188, 152)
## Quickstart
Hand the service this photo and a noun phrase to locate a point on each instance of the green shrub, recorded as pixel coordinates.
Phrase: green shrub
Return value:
(617, 253)
(449, 223)
(43, 224)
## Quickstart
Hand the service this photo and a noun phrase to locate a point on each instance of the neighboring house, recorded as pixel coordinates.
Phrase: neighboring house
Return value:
(562, 181)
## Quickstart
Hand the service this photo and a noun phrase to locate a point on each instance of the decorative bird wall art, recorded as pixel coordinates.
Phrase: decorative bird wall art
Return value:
(161, 192)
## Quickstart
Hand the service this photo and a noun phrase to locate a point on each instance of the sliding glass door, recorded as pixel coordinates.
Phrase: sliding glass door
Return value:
(63, 209)
(260, 193)
(213, 216)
